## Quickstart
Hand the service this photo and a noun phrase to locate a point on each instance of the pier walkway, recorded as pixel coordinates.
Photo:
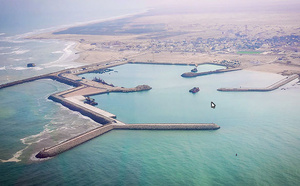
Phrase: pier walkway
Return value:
(79, 100)
(269, 88)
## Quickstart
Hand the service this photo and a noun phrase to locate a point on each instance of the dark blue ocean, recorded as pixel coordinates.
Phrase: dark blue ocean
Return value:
(261, 128)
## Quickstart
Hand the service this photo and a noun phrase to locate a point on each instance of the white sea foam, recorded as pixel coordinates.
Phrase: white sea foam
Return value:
(15, 157)
(12, 39)
(27, 141)
(18, 68)
(15, 59)
(78, 114)
(37, 68)
(3, 48)
(57, 52)
(5, 53)
(50, 129)
(18, 52)
(66, 60)
(1, 34)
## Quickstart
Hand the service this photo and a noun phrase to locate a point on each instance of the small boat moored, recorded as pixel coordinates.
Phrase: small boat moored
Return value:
(194, 69)
(194, 90)
(31, 65)
(90, 101)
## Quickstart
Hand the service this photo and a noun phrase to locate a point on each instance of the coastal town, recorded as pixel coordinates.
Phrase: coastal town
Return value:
(191, 39)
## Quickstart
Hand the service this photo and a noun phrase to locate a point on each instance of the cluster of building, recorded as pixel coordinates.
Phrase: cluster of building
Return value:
(201, 45)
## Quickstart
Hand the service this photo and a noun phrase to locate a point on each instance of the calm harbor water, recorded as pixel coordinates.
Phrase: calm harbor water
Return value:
(260, 127)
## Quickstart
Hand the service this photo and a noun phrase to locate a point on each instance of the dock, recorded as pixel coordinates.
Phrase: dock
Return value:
(79, 100)
(269, 88)
(195, 74)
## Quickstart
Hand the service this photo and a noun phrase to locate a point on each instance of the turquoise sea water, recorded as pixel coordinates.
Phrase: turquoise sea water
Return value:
(260, 127)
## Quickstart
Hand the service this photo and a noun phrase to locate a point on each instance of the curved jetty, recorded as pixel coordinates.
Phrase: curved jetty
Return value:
(193, 74)
(77, 140)
(269, 88)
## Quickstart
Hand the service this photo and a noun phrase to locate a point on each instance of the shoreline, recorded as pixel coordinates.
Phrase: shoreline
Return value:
(89, 52)
(90, 57)
(53, 29)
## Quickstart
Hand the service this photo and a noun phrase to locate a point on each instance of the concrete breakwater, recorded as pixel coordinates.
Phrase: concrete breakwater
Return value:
(46, 76)
(77, 140)
(169, 126)
(73, 142)
(83, 110)
(57, 76)
(194, 74)
(269, 88)
(25, 81)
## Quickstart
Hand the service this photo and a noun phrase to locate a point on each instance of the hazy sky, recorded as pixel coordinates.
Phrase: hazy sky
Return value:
(47, 13)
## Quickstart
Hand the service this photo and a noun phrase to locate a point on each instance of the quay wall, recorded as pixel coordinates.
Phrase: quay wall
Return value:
(169, 126)
(84, 111)
(65, 80)
(193, 74)
(91, 68)
(171, 63)
(269, 88)
(73, 142)
(161, 63)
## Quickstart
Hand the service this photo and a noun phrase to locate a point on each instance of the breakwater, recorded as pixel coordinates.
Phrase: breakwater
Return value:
(25, 81)
(194, 74)
(169, 126)
(77, 140)
(46, 76)
(269, 88)
(73, 142)
(58, 76)
(64, 80)
(100, 118)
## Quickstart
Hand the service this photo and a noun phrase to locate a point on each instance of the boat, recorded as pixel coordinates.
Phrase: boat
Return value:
(90, 101)
(30, 65)
(194, 70)
(194, 90)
